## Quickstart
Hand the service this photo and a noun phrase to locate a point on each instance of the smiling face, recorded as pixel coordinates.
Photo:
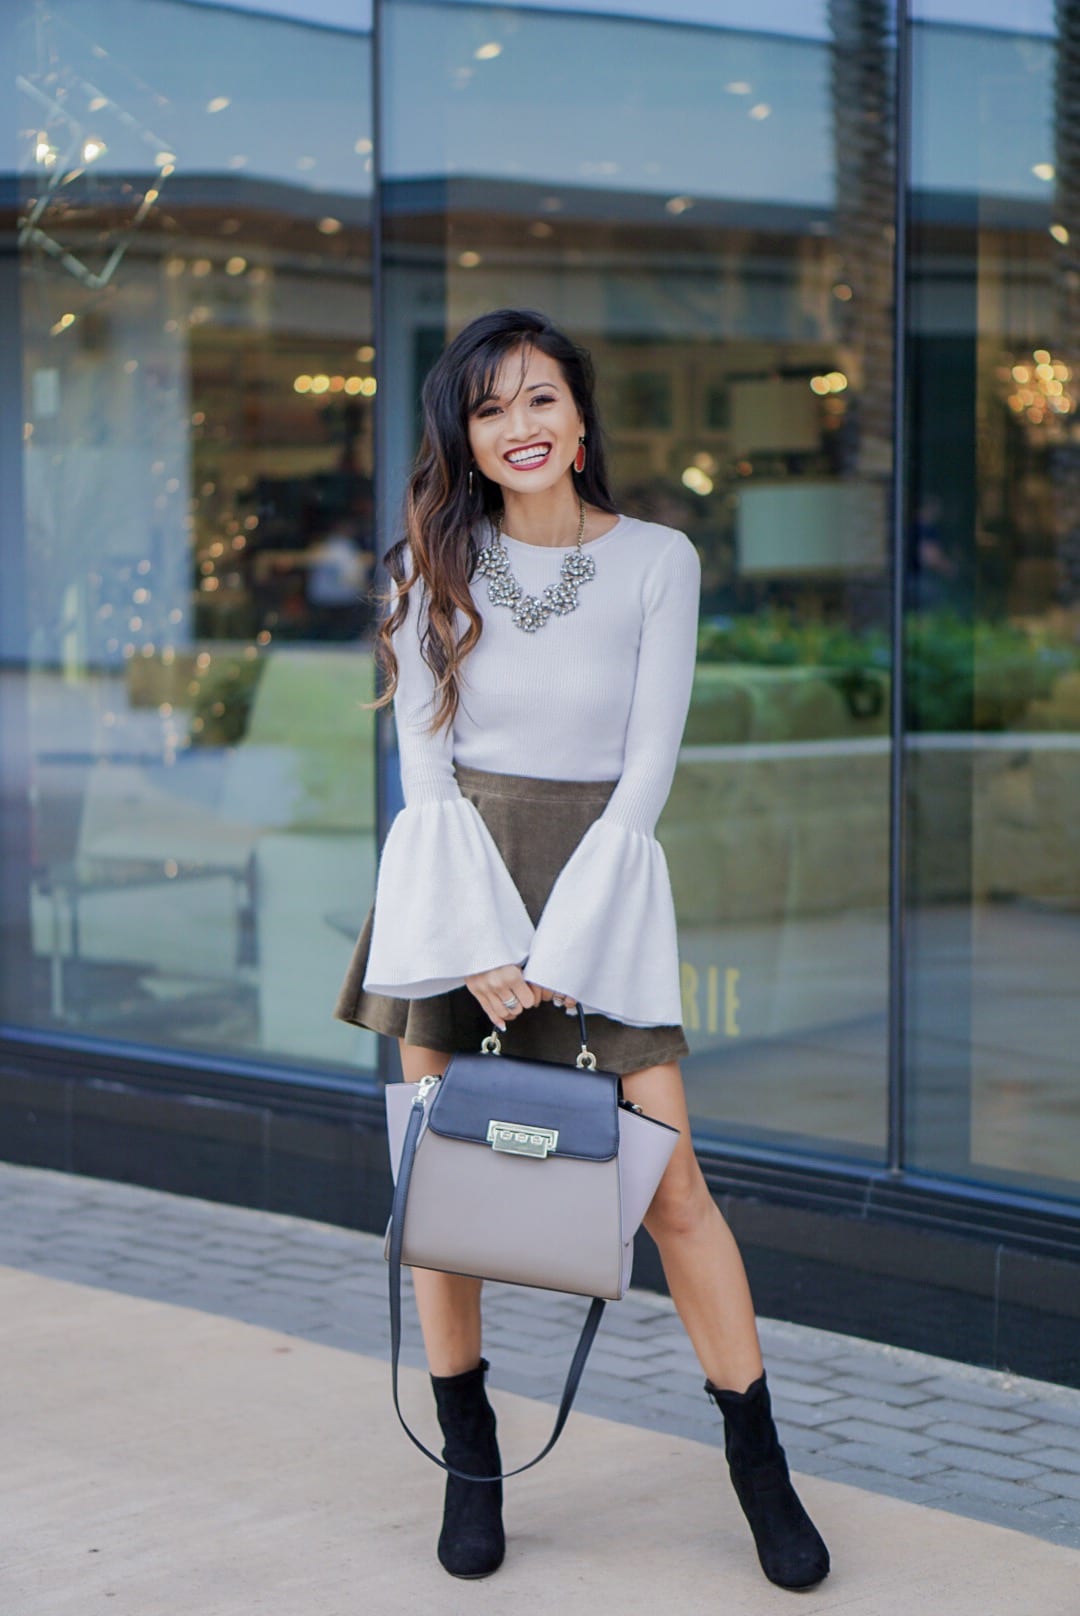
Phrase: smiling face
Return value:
(525, 435)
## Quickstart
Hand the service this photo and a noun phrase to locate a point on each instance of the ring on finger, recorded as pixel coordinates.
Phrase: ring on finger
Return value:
(511, 1003)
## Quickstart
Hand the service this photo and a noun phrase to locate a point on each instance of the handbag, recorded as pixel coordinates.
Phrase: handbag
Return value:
(526, 1171)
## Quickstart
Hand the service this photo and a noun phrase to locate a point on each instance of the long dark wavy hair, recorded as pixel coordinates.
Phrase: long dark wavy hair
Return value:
(440, 513)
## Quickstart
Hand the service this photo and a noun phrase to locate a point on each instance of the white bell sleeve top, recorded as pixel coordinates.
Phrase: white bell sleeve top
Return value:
(607, 933)
(446, 906)
(599, 694)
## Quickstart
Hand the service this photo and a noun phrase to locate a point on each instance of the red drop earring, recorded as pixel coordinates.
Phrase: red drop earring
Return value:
(579, 458)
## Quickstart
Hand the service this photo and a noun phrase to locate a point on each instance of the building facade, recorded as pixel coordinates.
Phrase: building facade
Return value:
(826, 256)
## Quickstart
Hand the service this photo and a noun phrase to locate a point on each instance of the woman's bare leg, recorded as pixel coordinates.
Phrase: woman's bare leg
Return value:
(448, 1304)
(701, 1260)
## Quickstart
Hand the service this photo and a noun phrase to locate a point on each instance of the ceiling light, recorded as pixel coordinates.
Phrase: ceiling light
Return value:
(696, 480)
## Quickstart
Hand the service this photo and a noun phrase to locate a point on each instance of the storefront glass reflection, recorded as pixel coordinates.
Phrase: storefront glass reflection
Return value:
(194, 198)
(994, 630)
(708, 202)
(710, 211)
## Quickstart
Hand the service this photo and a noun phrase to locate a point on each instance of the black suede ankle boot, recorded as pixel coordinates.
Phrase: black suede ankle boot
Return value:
(471, 1543)
(789, 1545)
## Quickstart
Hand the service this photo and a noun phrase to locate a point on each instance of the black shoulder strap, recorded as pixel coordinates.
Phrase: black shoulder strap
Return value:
(397, 1227)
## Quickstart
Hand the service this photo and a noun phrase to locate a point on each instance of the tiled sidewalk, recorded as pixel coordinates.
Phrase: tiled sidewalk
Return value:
(991, 1446)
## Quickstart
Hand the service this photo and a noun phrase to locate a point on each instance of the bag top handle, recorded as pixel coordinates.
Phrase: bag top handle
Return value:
(491, 1045)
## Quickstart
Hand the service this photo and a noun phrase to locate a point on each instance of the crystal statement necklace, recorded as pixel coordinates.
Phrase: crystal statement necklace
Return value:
(531, 612)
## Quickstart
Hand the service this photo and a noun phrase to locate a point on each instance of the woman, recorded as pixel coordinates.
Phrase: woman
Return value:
(540, 700)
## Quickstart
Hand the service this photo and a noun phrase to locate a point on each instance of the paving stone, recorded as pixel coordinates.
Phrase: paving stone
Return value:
(890, 1436)
(807, 1416)
(889, 1370)
(860, 1386)
(627, 1347)
(803, 1343)
(868, 1408)
(978, 1414)
(1001, 1465)
(963, 1390)
(1053, 1436)
(831, 1467)
(993, 1441)
(1063, 1482)
(915, 1492)
(1056, 1413)
(793, 1391)
(796, 1442)
(1056, 1511)
(871, 1456)
(1019, 1495)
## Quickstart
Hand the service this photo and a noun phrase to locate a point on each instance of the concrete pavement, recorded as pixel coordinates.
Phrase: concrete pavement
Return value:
(162, 1462)
(197, 1418)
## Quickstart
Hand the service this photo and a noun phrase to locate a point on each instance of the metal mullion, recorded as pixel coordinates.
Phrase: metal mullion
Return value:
(895, 1152)
(380, 437)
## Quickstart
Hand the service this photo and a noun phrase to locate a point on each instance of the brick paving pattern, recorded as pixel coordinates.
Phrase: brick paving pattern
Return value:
(977, 1442)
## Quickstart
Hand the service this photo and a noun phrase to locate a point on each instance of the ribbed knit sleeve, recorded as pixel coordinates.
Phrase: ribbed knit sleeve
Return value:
(607, 934)
(446, 906)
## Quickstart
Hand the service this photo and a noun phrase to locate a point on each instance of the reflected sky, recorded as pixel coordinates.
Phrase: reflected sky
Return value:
(225, 92)
(1010, 16)
(983, 113)
(594, 102)
(546, 96)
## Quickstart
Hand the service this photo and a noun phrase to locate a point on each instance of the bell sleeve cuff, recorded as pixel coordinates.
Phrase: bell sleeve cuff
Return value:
(607, 935)
(445, 904)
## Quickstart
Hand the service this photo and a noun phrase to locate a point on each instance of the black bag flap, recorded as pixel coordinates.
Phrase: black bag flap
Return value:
(478, 1089)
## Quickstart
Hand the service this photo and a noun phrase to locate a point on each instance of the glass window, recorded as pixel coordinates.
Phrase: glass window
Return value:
(993, 634)
(709, 209)
(196, 534)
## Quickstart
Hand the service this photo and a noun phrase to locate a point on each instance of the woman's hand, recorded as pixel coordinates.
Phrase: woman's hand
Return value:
(561, 999)
(490, 988)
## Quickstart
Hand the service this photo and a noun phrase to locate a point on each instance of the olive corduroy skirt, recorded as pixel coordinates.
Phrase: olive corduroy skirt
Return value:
(536, 824)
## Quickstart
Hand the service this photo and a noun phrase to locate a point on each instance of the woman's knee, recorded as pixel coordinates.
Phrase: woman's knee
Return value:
(418, 1062)
(682, 1204)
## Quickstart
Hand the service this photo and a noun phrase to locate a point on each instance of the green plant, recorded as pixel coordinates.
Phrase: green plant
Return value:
(222, 704)
(961, 674)
(977, 675)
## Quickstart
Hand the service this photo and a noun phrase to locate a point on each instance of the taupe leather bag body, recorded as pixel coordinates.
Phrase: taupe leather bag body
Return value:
(524, 1171)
